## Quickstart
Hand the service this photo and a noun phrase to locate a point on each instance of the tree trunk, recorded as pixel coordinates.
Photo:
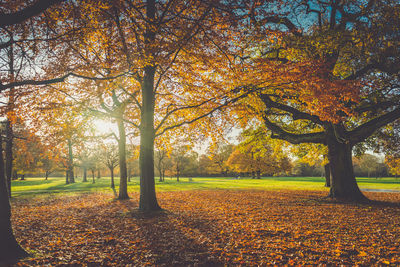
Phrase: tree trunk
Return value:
(112, 178)
(22, 177)
(9, 154)
(148, 201)
(9, 247)
(70, 163)
(84, 174)
(123, 173)
(327, 175)
(93, 180)
(258, 174)
(66, 177)
(343, 182)
(98, 174)
(46, 175)
(178, 173)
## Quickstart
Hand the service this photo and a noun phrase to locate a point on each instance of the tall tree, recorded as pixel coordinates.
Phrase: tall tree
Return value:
(333, 83)
(161, 54)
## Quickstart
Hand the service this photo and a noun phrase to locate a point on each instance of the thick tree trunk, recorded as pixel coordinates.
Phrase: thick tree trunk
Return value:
(46, 175)
(9, 247)
(327, 175)
(70, 163)
(84, 174)
(123, 173)
(343, 182)
(66, 177)
(112, 178)
(148, 201)
(9, 154)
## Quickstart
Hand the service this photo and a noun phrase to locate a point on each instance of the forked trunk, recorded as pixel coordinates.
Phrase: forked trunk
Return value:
(343, 181)
(123, 183)
(9, 247)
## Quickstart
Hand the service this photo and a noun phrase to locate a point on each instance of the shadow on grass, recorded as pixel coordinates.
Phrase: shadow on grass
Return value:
(28, 182)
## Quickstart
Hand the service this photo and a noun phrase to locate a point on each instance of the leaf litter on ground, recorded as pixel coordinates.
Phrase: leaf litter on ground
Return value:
(209, 228)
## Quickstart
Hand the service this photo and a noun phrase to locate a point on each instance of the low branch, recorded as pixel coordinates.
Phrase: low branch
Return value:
(365, 130)
(279, 133)
(296, 114)
(219, 107)
(55, 80)
(26, 13)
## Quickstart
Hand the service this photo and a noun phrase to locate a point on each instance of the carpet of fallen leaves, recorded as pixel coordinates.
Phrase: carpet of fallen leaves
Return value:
(210, 228)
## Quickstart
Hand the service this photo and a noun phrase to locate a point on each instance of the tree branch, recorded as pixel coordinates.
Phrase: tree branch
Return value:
(296, 114)
(26, 13)
(279, 133)
(55, 80)
(365, 130)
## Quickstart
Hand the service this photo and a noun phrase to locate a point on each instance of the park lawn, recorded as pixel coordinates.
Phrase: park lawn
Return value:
(57, 185)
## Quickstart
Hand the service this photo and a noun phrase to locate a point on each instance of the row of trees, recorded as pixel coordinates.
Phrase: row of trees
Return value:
(318, 72)
(254, 156)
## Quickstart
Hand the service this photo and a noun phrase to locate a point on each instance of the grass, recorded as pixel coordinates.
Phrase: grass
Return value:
(57, 185)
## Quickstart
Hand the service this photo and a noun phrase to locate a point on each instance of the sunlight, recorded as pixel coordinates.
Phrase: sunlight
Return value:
(105, 127)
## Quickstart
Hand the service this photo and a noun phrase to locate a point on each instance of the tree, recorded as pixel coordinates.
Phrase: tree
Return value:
(160, 163)
(9, 247)
(160, 53)
(335, 82)
(255, 155)
(219, 156)
(110, 158)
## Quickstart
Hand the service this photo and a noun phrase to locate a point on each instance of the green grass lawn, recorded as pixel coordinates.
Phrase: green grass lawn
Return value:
(57, 185)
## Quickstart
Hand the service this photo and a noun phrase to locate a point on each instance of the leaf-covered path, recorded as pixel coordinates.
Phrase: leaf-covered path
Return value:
(209, 228)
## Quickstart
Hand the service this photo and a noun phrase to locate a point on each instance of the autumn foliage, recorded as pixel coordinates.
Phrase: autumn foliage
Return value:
(210, 228)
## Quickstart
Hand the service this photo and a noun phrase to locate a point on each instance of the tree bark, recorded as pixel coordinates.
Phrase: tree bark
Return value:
(123, 172)
(98, 174)
(9, 154)
(327, 175)
(9, 247)
(66, 177)
(148, 201)
(84, 174)
(112, 178)
(343, 181)
(70, 163)
(93, 180)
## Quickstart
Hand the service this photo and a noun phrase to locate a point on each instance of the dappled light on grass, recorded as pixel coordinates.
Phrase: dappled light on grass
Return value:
(209, 228)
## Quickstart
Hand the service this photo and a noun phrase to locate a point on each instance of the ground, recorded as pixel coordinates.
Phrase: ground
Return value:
(209, 228)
